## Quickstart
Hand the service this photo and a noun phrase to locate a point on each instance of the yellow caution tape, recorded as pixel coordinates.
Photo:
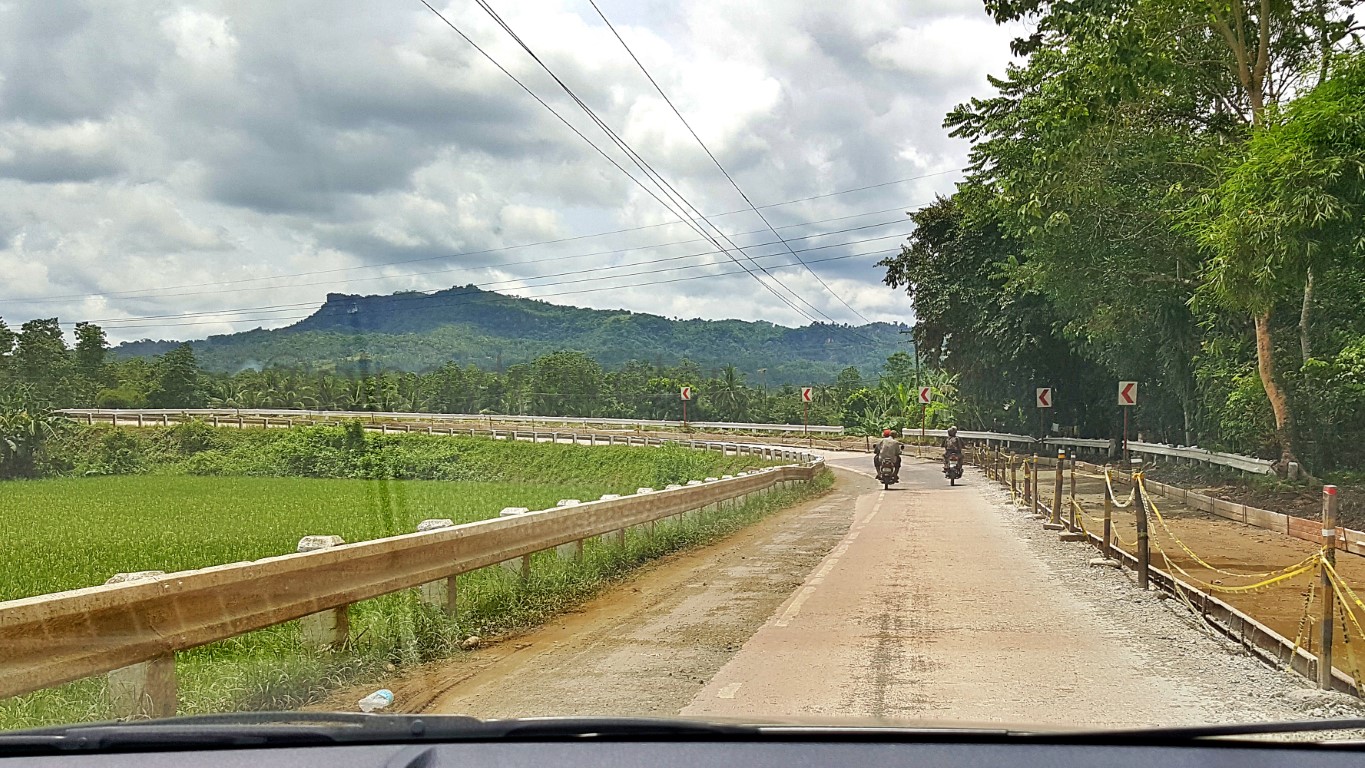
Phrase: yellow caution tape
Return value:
(1301, 569)
(1347, 618)
(1341, 589)
(1305, 620)
(1336, 577)
(1157, 512)
(1114, 497)
(1080, 509)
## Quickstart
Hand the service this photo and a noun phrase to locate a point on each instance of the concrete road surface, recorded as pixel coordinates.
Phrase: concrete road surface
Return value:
(925, 602)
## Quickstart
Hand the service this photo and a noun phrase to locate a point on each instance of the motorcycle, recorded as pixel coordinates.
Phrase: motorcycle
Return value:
(953, 470)
(886, 472)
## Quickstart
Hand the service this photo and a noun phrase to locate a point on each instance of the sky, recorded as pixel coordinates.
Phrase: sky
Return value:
(174, 170)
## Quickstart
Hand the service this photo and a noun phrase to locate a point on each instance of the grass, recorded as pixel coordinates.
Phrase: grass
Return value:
(68, 533)
(269, 669)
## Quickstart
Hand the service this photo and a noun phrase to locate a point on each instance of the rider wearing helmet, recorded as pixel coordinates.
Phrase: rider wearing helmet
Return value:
(887, 446)
(952, 447)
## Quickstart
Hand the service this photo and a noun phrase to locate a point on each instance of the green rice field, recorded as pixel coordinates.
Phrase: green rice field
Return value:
(65, 533)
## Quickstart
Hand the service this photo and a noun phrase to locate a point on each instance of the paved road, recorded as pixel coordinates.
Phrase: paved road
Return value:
(924, 603)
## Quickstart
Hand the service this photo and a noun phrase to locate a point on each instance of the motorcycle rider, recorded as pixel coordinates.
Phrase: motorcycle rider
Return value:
(952, 447)
(886, 447)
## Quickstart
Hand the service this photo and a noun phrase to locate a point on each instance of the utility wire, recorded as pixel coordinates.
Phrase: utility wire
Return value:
(716, 161)
(493, 14)
(515, 282)
(690, 211)
(478, 296)
(499, 265)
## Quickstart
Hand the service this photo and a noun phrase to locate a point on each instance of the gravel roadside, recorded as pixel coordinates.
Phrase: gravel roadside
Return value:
(1174, 641)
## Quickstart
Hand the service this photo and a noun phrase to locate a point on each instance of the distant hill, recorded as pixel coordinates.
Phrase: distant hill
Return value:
(417, 331)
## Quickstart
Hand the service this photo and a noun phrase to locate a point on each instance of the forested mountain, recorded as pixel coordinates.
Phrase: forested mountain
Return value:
(416, 332)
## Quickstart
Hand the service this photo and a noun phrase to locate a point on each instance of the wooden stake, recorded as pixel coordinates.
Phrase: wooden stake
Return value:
(1144, 557)
(1329, 602)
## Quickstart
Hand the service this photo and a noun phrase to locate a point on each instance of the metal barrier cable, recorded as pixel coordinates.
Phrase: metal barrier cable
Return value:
(1157, 512)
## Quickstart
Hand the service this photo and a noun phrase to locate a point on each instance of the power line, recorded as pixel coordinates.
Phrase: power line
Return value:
(493, 265)
(497, 296)
(714, 160)
(542, 102)
(517, 282)
(688, 210)
(380, 265)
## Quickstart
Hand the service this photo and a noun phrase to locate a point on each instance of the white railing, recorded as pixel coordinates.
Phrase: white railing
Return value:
(132, 413)
(1188, 453)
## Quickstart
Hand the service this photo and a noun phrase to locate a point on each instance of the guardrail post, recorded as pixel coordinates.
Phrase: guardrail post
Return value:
(1144, 557)
(440, 593)
(1014, 479)
(148, 688)
(1028, 485)
(521, 566)
(1329, 603)
(574, 549)
(329, 628)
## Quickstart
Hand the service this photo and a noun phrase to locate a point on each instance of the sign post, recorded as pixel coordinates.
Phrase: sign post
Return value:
(1127, 397)
(807, 394)
(686, 394)
(926, 396)
(1043, 400)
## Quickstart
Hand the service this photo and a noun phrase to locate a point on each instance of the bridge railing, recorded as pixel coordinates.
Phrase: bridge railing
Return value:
(132, 627)
(128, 416)
(1182, 453)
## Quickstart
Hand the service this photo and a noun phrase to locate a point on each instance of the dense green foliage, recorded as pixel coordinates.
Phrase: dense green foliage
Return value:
(416, 332)
(195, 448)
(1166, 192)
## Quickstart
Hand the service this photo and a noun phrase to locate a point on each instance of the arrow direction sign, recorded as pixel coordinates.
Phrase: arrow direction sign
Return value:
(1128, 393)
(807, 394)
(1045, 397)
(686, 393)
(925, 395)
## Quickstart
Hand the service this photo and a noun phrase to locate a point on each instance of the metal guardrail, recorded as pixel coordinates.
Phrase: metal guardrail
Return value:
(48, 640)
(1204, 456)
(133, 413)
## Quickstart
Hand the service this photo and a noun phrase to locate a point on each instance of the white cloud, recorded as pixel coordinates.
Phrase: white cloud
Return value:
(156, 154)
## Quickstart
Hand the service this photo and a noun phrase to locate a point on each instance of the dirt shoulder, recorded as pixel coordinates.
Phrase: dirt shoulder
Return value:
(644, 647)
(1266, 493)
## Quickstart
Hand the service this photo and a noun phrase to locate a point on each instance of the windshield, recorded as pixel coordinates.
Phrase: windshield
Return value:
(865, 363)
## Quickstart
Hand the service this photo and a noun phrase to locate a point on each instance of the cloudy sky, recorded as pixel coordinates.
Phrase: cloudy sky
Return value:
(174, 170)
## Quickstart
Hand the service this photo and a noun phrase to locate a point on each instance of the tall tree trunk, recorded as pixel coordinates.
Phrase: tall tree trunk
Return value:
(1279, 402)
(1304, 345)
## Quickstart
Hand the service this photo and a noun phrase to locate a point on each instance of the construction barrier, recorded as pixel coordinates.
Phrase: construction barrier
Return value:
(1336, 603)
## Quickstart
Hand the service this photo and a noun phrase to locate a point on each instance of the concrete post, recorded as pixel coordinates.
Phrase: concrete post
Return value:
(440, 593)
(574, 549)
(146, 689)
(329, 628)
(521, 566)
(1329, 603)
